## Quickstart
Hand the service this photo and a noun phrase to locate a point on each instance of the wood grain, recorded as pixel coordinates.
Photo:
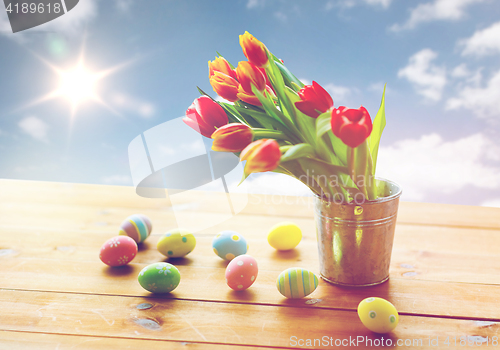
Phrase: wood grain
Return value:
(231, 323)
(20, 340)
(54, 291)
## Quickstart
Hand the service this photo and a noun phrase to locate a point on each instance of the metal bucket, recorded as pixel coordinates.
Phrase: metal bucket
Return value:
(355, 240)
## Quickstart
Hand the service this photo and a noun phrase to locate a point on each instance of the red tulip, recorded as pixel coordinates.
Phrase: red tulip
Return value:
(261, 155)
(254, 50)
(232, 137)
(205, 115)
(314, 100)
(352, 126)
(225, 86)
(220, 65)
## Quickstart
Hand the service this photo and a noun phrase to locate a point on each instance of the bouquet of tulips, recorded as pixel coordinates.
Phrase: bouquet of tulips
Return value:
(275, 123)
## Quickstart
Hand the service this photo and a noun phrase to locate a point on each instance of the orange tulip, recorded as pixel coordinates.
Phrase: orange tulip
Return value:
(249, 74)
(251, 98)
(225, 86)
(261, 156)
(254, 50)
(220, 65)
(232, 137)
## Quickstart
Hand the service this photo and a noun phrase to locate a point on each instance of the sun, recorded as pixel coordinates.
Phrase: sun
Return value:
(78, 85)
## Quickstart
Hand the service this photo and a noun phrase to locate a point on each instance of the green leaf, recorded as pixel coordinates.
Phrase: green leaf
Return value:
(378, 128)
(288, 77)
(305, 123)
(298, 151)
(323, 124)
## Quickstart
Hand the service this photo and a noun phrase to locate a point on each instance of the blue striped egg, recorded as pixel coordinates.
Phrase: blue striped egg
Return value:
(137, 226)
(296, 282)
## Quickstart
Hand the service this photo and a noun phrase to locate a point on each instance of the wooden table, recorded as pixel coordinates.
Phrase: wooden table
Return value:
(55, 293)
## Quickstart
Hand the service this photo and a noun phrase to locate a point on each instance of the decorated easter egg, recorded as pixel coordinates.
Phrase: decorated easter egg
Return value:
(284, 236)
(229, 244)
(296, 282)
(176, 243)
(118, 251)
(137, 226)
(378, 315)
(241, 272)
(159, 277)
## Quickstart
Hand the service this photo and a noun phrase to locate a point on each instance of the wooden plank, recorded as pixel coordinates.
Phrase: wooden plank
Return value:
(226, 323)
(43, 341)
(425, 253)
(100, 196)
(410, 296)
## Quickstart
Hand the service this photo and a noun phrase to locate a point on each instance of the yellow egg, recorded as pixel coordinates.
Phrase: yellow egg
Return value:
(284, 236)
(378, 315)
(176, 243)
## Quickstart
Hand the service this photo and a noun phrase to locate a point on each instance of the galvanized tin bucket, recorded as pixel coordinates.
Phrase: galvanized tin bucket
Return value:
(355, 240)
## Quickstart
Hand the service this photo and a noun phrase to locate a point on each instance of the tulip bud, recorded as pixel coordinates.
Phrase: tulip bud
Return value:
(314, 100)
(232, 137)
(254, 50)
(352, 126)
(225, 86)
(205, 115)
(220, 65)
(261, 155)
(249, 74)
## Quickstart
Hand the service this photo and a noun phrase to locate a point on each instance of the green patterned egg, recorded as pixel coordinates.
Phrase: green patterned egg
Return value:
(176, 243)
(296, 282)
(159, 277)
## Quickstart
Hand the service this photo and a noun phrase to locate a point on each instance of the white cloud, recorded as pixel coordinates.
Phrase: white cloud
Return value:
(383, 3)
(71, 23)
(123, 5)
(117, 180)
(351, 3)
(491, 203)
(254, 3)
(339, 93)
(427, 78)
(133, 105)
(35, 127)
(483, 101)
(278, 184)
(280, 16)
(438, 10)
(432, 166)
(483, 42)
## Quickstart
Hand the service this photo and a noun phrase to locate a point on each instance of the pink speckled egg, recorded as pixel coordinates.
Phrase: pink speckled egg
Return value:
(118, 251)
(241, 272)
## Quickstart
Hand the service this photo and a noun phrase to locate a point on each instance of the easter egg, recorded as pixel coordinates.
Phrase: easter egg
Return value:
(137, 226)
(284, 236)
(378, 315)
(176, 243)
(241, 272)
(296, 282)
(118, 251)
(159, 277)
(229, 244)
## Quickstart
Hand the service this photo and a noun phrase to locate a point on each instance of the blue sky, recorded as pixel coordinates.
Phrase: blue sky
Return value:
(439, 58)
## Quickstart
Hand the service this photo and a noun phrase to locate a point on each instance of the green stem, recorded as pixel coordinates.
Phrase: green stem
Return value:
(270, 134)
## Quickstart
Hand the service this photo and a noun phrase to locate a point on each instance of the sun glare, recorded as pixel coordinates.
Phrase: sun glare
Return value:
(77, 85)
